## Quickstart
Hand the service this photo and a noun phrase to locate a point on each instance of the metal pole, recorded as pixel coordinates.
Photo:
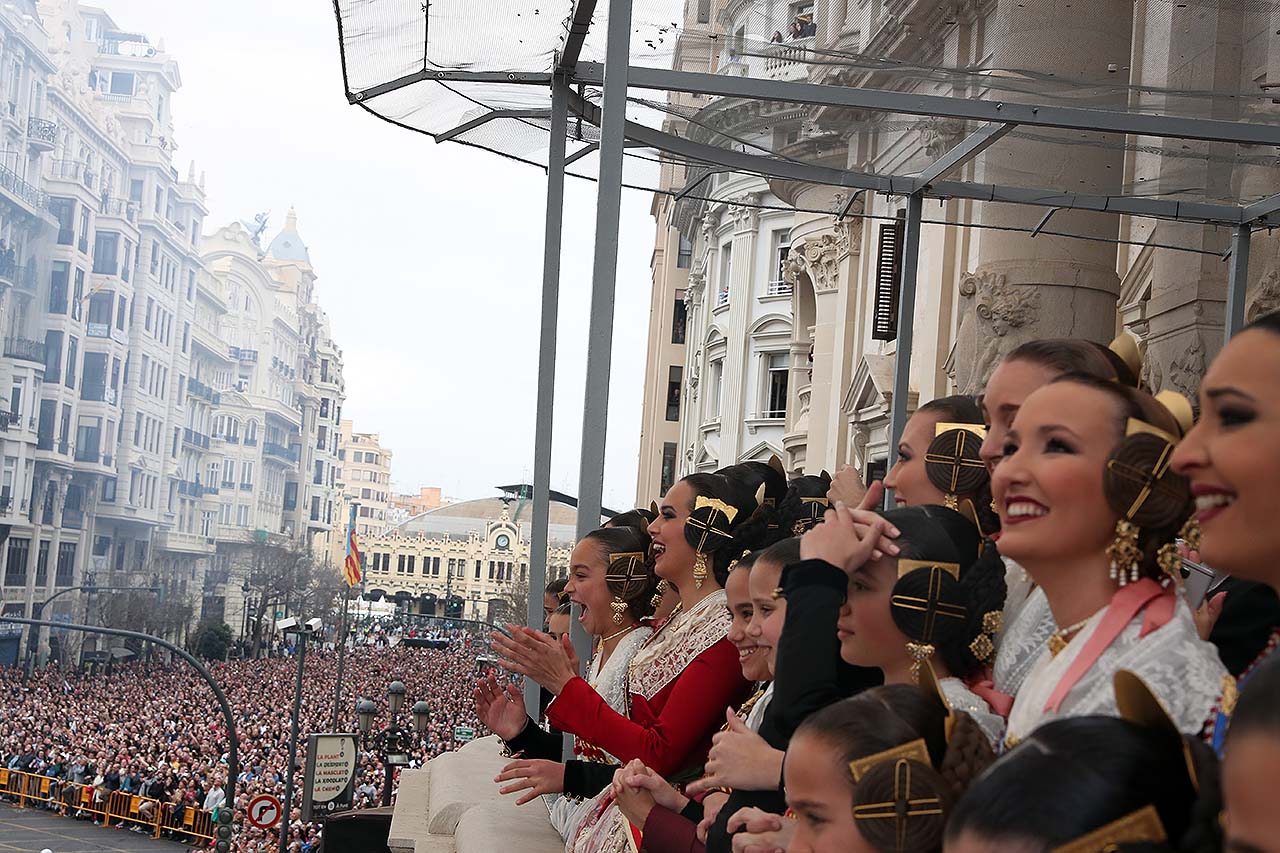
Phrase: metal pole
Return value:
(388, 777)
(342, 631)
(233, 740)
(542, 431)
(287, 805)
(906, 317)
(1238, 280)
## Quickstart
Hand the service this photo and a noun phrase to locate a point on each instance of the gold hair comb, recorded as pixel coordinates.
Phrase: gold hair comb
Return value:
(977, 429)
(1140, 827)
(914, 750)
(729, 512)
(906, 567)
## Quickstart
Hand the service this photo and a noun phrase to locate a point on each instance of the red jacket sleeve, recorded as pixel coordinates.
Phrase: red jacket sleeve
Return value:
(671, 833)
(694, 710)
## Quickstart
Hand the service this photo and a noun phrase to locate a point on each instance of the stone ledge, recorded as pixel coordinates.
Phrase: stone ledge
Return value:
(435, 805)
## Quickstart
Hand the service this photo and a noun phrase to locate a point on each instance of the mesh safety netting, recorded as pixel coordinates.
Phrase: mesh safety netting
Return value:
(1200, 59)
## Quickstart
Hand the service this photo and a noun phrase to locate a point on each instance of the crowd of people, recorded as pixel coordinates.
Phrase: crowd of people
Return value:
(1058, 637)
(157, 730)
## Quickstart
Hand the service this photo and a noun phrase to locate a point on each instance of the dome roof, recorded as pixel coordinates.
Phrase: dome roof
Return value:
(288, 245)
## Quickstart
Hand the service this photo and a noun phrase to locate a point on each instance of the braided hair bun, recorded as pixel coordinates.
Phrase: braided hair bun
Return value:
(900, 806)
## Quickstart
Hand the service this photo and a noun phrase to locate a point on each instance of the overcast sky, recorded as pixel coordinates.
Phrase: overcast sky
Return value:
(429, 256)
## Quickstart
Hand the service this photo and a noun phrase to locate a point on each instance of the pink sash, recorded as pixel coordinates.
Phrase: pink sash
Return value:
(1155, 602)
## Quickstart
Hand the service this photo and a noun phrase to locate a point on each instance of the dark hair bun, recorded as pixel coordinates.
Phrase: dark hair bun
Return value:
(928, 605)
(1141, 486)
(953, 464)
(710, 525)
(900, 806)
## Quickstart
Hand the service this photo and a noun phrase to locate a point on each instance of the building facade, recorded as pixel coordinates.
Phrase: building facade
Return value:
(162, 391)
(475, 553)
(981, 290)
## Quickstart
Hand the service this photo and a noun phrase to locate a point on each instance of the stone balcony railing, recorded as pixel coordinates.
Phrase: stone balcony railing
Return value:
(453, 806)
(789, 60)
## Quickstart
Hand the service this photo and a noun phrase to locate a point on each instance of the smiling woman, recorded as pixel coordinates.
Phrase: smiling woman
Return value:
(1086, 501)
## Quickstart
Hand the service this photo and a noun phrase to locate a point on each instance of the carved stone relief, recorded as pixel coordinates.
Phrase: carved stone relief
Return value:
(1263, 298)
(991, 308)
(822, 256)
(1187, 369)
(940, 135)
(744, 212)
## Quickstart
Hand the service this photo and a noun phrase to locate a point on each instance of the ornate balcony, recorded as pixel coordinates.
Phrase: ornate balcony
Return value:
(42, 134)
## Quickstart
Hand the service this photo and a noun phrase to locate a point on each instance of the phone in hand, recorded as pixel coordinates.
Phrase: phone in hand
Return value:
(1197, 580)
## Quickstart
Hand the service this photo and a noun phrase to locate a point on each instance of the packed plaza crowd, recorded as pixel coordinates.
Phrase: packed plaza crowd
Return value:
(1060, 638)
(157, 731)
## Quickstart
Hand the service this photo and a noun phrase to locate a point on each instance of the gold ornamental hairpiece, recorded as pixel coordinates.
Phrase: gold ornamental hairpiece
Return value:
(915, 750)
(1140, 827)
(977, 429)
(728, 511)
(906, 567)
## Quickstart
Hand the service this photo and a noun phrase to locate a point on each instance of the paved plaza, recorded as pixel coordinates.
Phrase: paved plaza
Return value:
(34, 830)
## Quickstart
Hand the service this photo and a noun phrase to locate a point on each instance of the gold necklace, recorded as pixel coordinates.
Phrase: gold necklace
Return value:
(604, 640)
(1061, 638)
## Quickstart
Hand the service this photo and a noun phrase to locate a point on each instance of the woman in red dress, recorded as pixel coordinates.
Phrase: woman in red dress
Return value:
(680, 683)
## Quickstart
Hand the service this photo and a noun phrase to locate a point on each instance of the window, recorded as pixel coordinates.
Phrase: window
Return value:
(100, 305)
(42, 566)
(715, 371)
(122, 82)
(675, 379)
(77, 299)
(106, 248)
(726, 270)
(668, 475)
(15, 567)
(94, 386)
(64, 210)
(66, 564)
(246, 474)
(228, 472)
(357, 456)
(83, 242)
(685, 252)
(884, 316)
(59, 278)
(781, 252)
(52, 356)
(679, 318)
(120, 312)
(776, 371)
(242, 515)
(704, 11)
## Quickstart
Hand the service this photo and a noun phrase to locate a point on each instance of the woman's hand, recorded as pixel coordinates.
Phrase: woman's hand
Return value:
(500, 709)
(537, 775)
(636, 775)
(536, 655)
(762, 831)
(1207, 614)
(847, 488)
(848, 538)
(635, 803)
(711, 805)
(739, 758)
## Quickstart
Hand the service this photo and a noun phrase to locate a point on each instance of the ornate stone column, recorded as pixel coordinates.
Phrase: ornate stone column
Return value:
(735, 408)
(1054, 287)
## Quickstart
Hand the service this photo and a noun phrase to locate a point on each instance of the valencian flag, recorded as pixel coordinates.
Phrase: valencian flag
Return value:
(351, 568)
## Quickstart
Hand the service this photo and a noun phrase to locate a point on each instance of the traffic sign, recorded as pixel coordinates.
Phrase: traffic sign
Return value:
(264, 811)
(463, 734)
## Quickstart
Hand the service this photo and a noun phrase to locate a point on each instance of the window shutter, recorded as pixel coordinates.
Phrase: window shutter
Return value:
(888, 281)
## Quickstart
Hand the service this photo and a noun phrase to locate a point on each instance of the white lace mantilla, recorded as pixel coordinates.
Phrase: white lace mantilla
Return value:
(677, 643)
(961, 698)
(567, 813)
(1028, 624)
(1183, 671)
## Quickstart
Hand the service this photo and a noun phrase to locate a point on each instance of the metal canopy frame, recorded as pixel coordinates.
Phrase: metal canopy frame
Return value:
(617, 76)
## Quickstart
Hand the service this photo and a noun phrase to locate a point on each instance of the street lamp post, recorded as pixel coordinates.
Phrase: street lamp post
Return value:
(301, 632)
(394, 742)
(33, 635)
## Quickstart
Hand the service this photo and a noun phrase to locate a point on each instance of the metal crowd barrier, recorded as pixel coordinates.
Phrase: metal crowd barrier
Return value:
(114, 807)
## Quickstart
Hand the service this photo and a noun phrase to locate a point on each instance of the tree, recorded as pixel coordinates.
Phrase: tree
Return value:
(287, 578)
(211, 640)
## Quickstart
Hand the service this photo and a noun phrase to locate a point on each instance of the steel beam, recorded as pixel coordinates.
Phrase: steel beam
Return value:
(530, 79)
(579, 25)
(1238, 280)
(595, 409)
(971, 146)
(1262, 210)
(1033, 115)
(485, 119)
(539, 537)
(906, 324)
(758, 164)
(581, 152)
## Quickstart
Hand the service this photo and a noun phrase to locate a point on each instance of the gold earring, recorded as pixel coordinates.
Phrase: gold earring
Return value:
(699, 569)
(950, 501)
(1170, 557)
(920, 652)
(659, 591)
(618, 606)
(1126, 556)
(983, 645)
